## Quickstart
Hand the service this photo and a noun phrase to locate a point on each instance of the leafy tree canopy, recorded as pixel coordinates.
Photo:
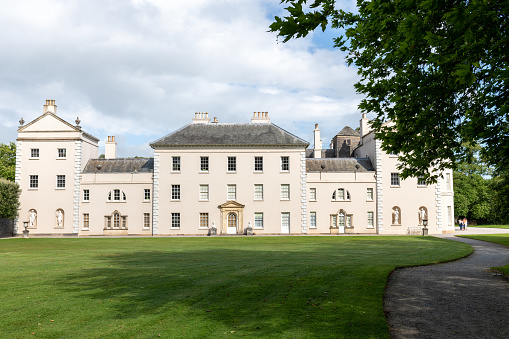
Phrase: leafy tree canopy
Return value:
(437, 69)
(8, 161)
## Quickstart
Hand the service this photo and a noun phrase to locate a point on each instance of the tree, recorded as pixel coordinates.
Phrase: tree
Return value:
(437, 69)
(9, 199)
(8, 161)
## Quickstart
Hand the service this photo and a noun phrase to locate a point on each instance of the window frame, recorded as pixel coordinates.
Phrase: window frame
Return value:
(175, 192)
(371, 219)
(175, 164)
(175, 220)
(204, 164)
(285, 192)
(86, 222)
(231, 191)
(86, 195)
(33, 181)
(61, 153)
(370, 194)
(204, 220)
(312, 194)
(258, 192)
(60, 181)
(258, 220)
(32, 151)
(312, 219)
(285, 163)
(231, 164)
(395, 180)
(204, 192)
(258, 164)
(146, 194)
(146, 221)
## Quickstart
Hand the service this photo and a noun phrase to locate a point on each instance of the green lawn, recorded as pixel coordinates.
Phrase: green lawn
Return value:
(502, 239)
(491, 226)
(279, 287)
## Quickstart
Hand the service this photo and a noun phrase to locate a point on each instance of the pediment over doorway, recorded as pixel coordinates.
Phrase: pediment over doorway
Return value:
(231, 204)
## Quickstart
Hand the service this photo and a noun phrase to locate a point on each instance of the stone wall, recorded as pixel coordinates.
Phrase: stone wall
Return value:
(6, 227)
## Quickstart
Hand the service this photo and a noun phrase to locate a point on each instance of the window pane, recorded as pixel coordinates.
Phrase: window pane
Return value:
(341, 219)
(333, 220)
(175, 220)
(175, 164)
(116, 195)
(146, 220)
(204, 164)
(341, 194)
(175, 192)
(86, 220)
(285, 163)
(34, 153)
(232, 192)
(62, 152)
(34, 181)
(204, 192)
(61, 181)
(232, 164)
(370, 219)
(204, 220)
(258, 164)
(258, 194)
(258, 217)
(86, 195)
(285, 191)
(370, 194)
(147, 194)
(394, 179)
(116, 220)
(312, 219)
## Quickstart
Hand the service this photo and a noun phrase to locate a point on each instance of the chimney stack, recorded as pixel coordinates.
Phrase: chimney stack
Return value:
(110, 148)
(260, 118)
(318, 142)
(50, 107)
(365, 129)
(201, 118)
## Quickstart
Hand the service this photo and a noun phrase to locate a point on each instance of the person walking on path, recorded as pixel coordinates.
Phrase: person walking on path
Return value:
(460, 222)
(460, 299)
(465, 223)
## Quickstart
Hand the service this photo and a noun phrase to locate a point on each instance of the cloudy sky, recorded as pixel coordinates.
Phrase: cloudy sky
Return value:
(139, 69)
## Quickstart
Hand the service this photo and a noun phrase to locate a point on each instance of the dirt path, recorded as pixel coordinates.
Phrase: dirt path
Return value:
(460, 299)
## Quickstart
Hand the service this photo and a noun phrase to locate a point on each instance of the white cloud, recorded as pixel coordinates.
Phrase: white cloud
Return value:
(140, 69)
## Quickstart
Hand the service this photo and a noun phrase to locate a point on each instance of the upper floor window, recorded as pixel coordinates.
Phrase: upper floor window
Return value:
(204, 164)
(146, 194)
(34, 153)
(258, 164)
(232, 164)
(341, 195)
(395, 179)
(116, 195)
(285, 164)
(232, 192)
(448, 181)
(34, 181)
(369, 194)
(60, 181)
(285, 192)
(175, 192)
(86, 195)
(421, 182)
(204, 192)
(258, 192)
(62, 152)
(175, 164)
(312, 194)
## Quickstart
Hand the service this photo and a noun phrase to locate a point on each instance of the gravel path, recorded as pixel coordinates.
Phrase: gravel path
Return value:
(460, 299)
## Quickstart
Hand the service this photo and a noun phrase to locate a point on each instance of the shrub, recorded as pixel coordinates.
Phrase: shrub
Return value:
(9, 199)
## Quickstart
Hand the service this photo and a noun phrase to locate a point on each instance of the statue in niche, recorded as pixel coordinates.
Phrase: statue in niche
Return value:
(422, 215)
(396, 216)
(60, 219)
(32, 217)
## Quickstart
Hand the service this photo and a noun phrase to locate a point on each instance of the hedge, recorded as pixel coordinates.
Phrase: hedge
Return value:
(9, 199)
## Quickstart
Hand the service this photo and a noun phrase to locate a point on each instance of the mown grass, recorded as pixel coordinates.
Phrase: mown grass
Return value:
(502, 239)
(491, 226)
(267, 287)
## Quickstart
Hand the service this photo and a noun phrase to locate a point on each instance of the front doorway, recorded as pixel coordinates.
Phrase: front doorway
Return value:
(231, 218)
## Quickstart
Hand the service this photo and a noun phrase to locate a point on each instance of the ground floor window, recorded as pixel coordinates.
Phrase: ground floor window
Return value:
(175, 220)
(312, 219)
(370, 220)
(119, 221)
(146, 220)
(258, 218)
(86, 221)
(204, 220)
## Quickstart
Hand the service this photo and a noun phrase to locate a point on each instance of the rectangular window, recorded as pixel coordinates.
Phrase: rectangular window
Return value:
(175, 192)
(285, 192)
(421, 182)
(86, 195)
(285, 222)
(449, 215)
(370, 220)
(204, 220)
(348, 220)
(116, 220)
(146, 220)
(34, 153)
(60, 181)
(448, 181)
(175, 220)
(258, 164)
(62, 152)
(86, 221)
(341, 219)
(34, 181)
(312, 219)
(258, 220)
(116, 195)
(146, 194)
(369, 194)
(124, 222)
(258, 192)
(175, 164)
(204, 164)
(232, 192)
(107, 222)
(232, 164)
(204, 192)
(333, 220)
(394, 179)
(285, 164)
(341, 194)
(312, 194)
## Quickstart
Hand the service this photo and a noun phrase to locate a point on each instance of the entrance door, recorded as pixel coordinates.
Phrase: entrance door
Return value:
(285, 222)
(232, 224)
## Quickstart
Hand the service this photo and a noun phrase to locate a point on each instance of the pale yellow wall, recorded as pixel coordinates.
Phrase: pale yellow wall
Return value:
(358, 206)
(218, 178)
(99, 185)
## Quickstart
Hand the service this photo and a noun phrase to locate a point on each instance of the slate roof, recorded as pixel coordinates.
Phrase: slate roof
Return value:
(339, 165)
(348, 131)
(142, 165)
(230, 135)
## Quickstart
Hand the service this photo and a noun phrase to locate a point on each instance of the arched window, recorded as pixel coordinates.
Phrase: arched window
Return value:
(232, 220)
(115, 221)
(116, 195)
(341, 195)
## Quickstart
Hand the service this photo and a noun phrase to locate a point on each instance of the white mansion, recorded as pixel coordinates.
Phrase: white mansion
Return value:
(230, 178)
